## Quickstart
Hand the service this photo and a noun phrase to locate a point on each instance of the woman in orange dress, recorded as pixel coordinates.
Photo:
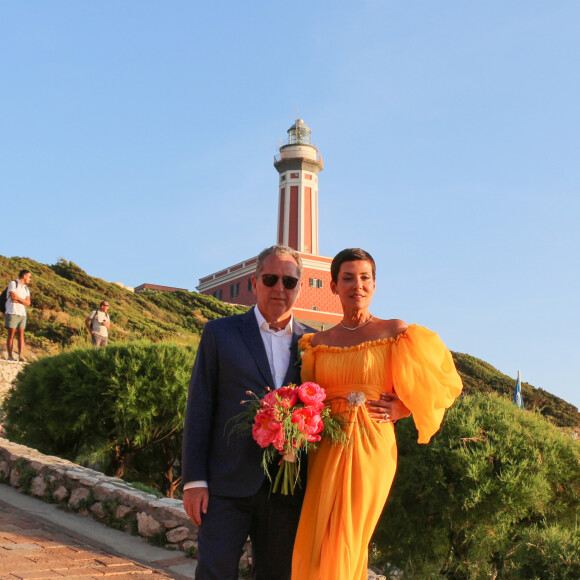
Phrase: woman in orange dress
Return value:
(359, 361)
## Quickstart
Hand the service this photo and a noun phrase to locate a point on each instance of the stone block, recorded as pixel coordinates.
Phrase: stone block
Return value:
(97, 509)
(166, 503)
(75, 473)
(105, 491)
(129, 498)
(38, 486)
(4, 470)
(179, 534)
(148, 525)
(15, 477)
(122, 512)
(36, 465)
(89, 481)
(77, 496)
(61, 493)
(170, 511)
(188, 544)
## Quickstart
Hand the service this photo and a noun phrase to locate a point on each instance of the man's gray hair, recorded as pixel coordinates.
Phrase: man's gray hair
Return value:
(278, 251)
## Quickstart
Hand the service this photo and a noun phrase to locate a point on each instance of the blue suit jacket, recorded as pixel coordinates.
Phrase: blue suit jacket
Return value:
(231, 359)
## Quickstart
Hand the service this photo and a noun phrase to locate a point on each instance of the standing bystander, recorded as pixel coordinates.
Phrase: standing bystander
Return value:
(17, 299)
(98, 324)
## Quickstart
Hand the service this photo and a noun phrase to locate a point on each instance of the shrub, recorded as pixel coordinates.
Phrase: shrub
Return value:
(495, 493)
(120, 409)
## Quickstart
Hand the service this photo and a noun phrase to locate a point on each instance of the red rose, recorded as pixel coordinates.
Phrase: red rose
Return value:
(266, 430)
(309, 422)
(312, 394)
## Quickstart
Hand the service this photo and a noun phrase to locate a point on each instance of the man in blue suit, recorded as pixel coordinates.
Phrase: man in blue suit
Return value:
(226, 492)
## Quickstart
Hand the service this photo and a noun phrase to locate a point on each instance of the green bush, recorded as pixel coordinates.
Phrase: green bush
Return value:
(495, 494)
(119, 409)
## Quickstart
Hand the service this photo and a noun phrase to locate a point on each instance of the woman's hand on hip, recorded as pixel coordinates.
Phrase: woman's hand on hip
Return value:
(388, 409)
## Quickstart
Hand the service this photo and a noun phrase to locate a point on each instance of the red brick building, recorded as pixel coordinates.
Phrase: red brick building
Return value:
(298, 165)
(142, 287)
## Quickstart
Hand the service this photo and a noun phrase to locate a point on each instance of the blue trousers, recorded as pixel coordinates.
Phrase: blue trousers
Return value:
(271, 521)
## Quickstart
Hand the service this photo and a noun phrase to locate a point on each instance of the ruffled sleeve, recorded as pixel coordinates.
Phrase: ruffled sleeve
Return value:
(307, 357)
(424, 378)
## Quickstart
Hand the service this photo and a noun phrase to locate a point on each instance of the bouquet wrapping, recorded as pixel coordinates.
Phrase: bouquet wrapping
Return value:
(288, 423)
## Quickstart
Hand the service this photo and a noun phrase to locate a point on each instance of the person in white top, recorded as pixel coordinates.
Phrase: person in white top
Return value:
(17, 299)
(98, 324)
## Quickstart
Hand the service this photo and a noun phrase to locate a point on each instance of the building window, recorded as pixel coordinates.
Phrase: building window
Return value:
(283, 177)
(315, 308)
(307, 176)
(294, 175)
(315, 283)
(217, 294)
(249, 284)
(234, 290)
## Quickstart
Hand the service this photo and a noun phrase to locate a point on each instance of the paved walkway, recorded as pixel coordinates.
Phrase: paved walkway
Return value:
(40, 541)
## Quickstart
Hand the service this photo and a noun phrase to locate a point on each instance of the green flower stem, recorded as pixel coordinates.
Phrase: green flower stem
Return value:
(287, 478)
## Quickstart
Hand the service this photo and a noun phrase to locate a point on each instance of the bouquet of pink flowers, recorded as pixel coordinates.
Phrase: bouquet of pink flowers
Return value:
(287, 423)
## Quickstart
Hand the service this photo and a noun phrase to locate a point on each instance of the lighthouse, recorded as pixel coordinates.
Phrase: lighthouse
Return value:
(298, 164)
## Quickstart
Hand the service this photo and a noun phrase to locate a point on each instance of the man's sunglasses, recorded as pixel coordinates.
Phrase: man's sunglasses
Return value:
(270, 280)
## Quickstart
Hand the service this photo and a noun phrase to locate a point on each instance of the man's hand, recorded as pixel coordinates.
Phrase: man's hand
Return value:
(388, 409)
(195, 500)
(17, 299)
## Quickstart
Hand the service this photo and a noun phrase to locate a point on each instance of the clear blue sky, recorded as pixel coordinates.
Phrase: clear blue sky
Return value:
(137, 140)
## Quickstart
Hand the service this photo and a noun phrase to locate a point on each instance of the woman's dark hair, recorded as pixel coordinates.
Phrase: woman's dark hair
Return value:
(349, 255)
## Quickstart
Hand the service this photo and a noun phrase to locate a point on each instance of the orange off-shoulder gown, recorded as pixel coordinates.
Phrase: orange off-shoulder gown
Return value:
(348, 485)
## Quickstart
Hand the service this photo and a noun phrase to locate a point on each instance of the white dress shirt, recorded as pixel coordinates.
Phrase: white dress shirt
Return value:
(277, 344)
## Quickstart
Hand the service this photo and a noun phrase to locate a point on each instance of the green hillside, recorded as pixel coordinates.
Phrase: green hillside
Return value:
(480, 377)
(63, 295)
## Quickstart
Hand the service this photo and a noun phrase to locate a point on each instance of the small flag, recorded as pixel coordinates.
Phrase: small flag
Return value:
(518, 399)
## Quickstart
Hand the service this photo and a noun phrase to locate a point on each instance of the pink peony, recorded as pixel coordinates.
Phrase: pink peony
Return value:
(266, 430)
(281, 400)
(312, 394)
(287, 396)
(309, 422)
(269, 400)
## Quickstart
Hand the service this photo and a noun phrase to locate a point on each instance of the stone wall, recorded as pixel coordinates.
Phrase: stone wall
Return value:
(91, 493)
(8, 372)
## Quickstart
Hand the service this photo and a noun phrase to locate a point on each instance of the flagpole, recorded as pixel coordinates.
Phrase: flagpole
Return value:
(518, 399)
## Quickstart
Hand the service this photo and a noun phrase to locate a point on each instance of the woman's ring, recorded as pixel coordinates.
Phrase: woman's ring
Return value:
(385, 416)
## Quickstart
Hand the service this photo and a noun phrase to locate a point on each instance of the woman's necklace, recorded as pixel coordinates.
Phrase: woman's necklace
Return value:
(356, 327)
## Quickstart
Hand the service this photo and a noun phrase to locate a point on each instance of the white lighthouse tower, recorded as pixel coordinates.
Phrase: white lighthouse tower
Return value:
(298, 165)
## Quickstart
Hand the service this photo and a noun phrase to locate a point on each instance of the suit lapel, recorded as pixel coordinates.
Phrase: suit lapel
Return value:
(293, 372)
(253, 339)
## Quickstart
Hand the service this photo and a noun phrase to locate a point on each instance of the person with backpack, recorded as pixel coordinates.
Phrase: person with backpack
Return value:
(98, 324)
(17, 299)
